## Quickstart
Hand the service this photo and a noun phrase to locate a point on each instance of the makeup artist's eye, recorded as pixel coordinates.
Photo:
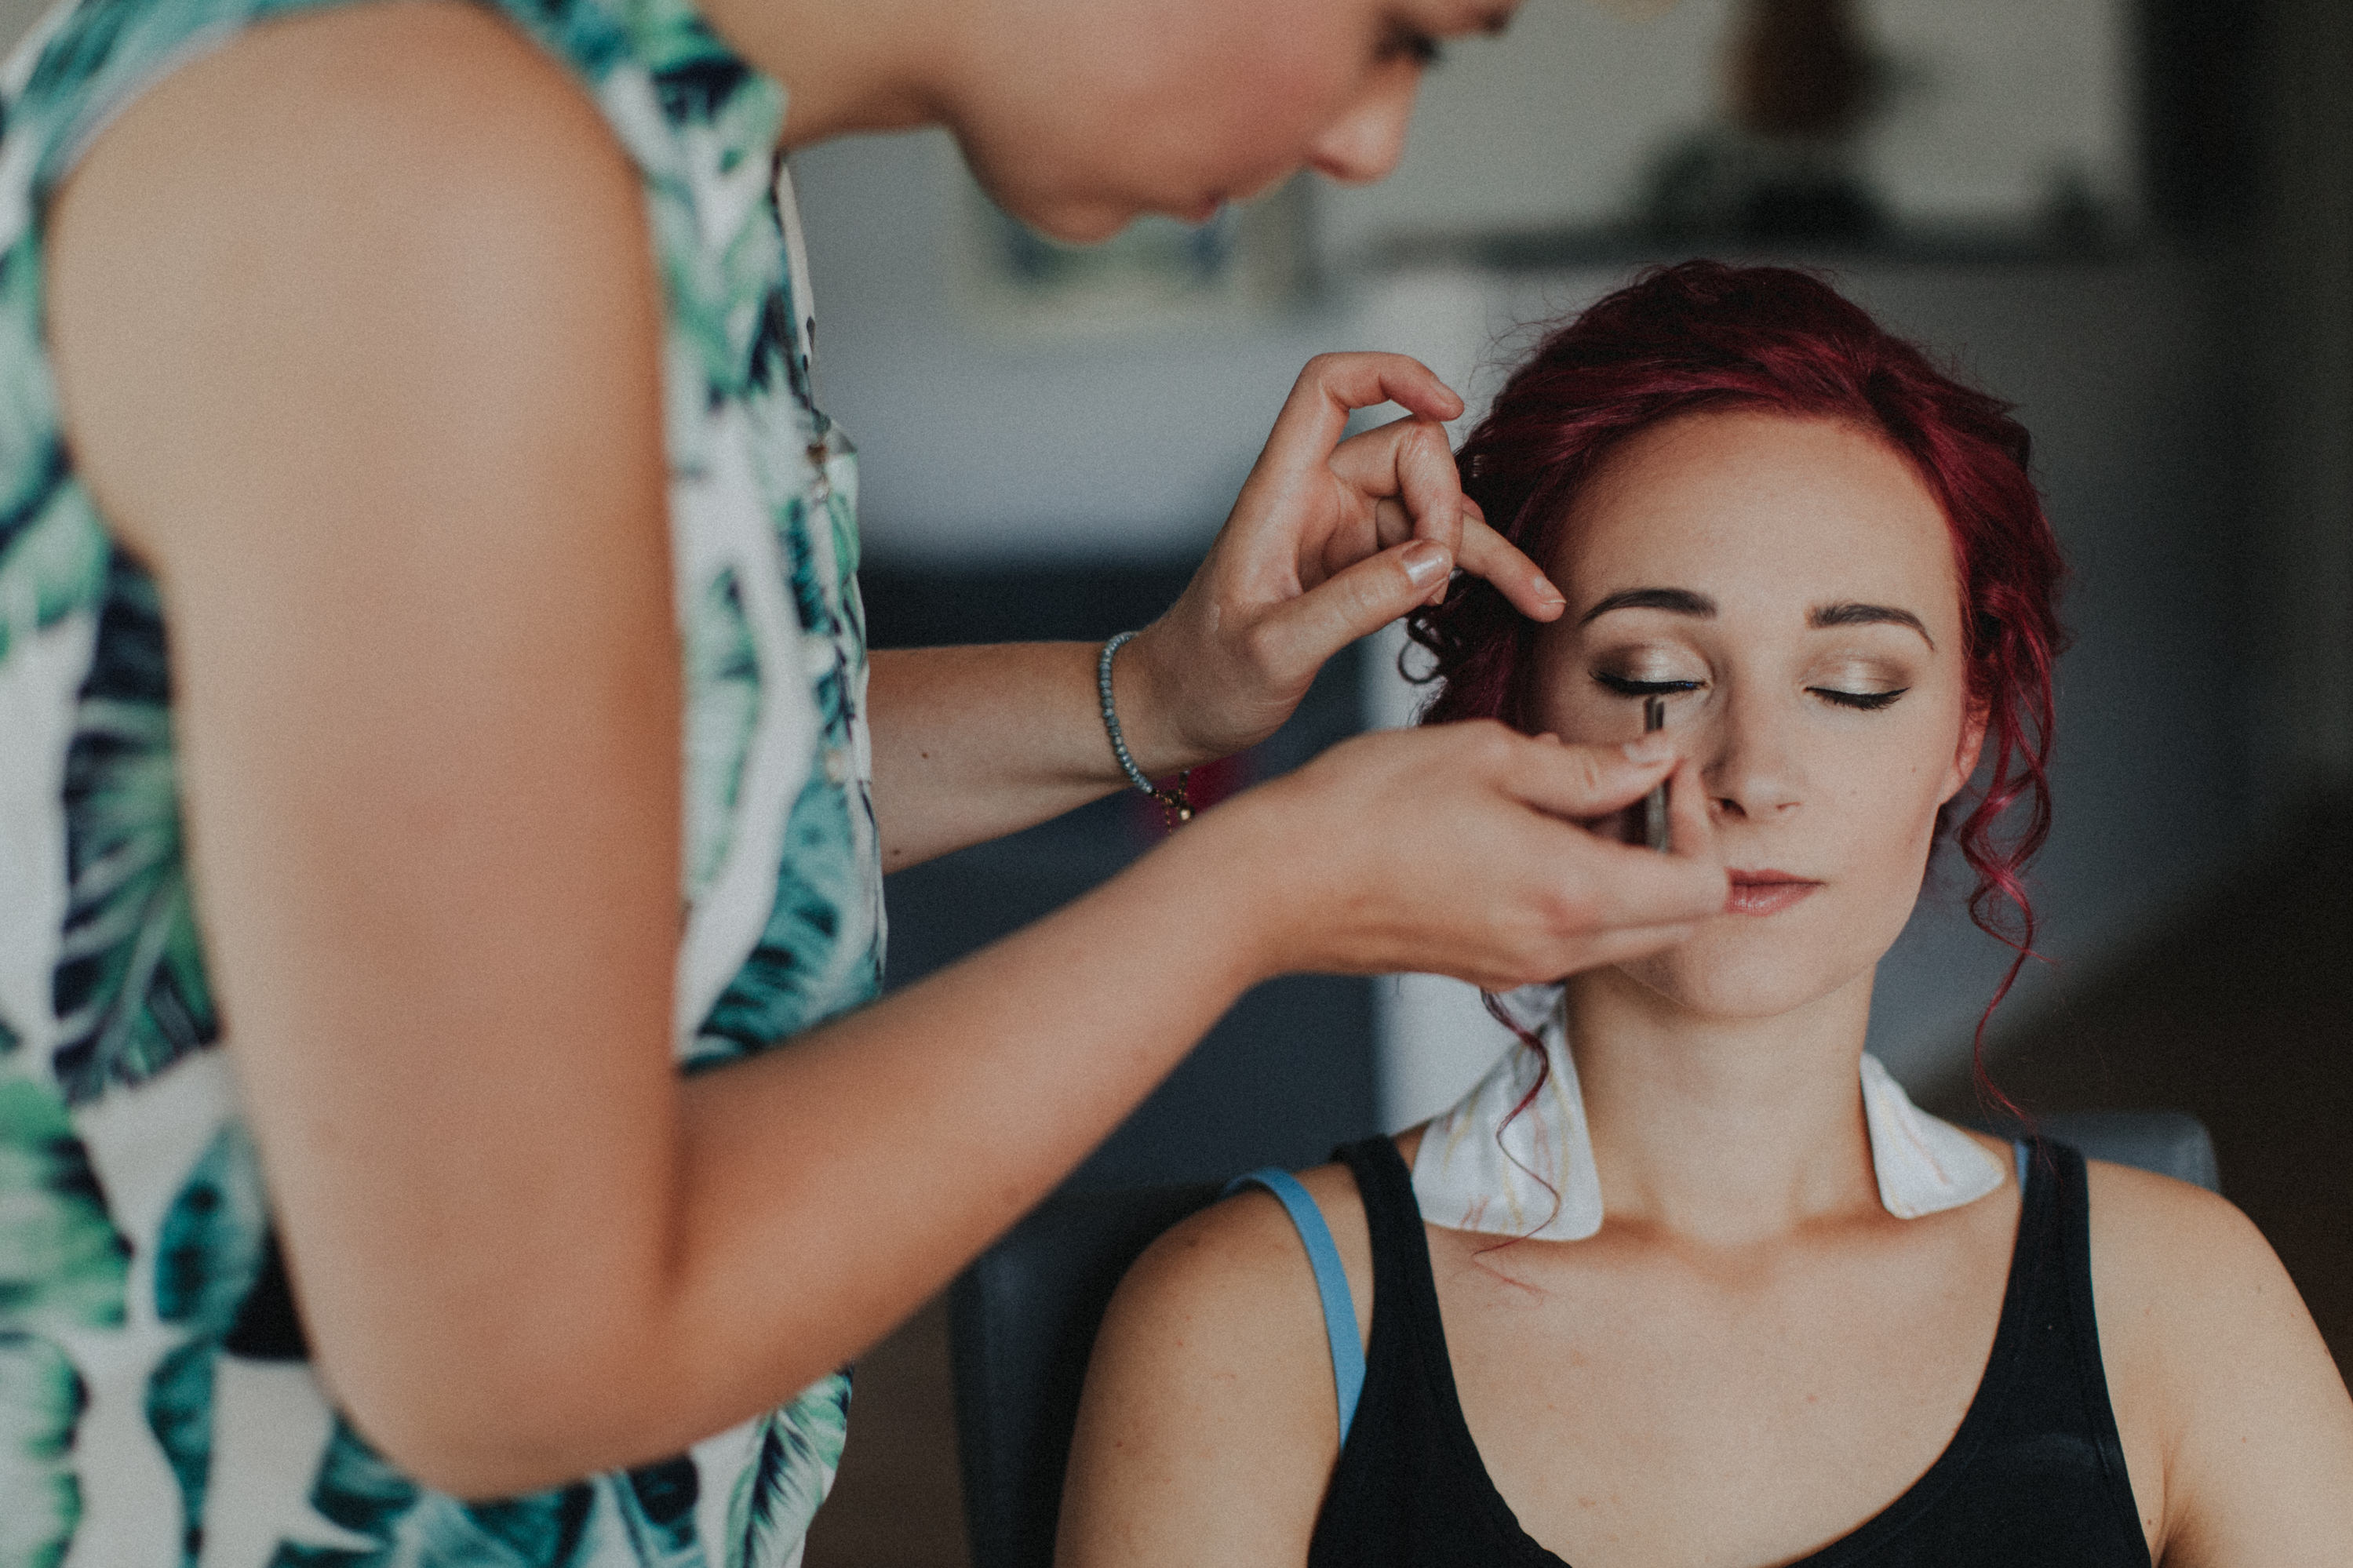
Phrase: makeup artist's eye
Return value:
(1869, 701)
(1404, 41)
(1626, 686)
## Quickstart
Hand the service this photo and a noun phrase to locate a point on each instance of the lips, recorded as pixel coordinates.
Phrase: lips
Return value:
(1764, 892)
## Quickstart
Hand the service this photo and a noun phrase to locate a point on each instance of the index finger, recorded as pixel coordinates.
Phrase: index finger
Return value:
(1409, 459)
(1483, 553)
(1333, 386)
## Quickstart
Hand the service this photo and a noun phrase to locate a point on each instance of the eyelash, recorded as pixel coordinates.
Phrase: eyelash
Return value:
(1624, 687)
(1868, 702)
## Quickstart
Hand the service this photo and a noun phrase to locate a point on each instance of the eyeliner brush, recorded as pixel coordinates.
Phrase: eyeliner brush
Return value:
(1654, 804)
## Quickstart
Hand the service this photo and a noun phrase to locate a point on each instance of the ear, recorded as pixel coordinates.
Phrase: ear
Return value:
(1965, 755)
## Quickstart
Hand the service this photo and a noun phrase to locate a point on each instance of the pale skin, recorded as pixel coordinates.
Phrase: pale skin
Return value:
(1752, 1357)
(358, 345)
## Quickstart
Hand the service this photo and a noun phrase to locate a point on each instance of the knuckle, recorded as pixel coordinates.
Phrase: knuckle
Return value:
(1567, 914)
(1488, 744)
(1262, 645)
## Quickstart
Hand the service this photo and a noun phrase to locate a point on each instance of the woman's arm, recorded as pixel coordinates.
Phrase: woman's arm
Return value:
(1329, 540)
(1210, 1425)
(358, 339)
(974, 742)
(2237, 1426)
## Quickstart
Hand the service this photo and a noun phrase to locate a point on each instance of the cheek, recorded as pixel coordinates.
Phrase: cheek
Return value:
(1883, 845)
(1262, 118)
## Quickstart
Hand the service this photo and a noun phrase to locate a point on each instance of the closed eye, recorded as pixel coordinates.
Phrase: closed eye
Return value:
(1869, 701)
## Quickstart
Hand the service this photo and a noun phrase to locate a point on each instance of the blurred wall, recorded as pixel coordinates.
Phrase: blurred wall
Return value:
(1982, 107)
(2290, 274)
(983, 443)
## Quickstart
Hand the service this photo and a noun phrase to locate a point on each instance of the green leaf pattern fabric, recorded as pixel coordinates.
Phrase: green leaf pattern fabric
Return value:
(154, 1404)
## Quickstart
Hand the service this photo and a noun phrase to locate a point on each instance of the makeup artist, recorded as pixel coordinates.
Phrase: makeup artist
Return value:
(438, 735)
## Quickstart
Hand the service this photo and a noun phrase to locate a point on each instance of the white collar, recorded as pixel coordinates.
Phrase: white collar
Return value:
(1481, 1168)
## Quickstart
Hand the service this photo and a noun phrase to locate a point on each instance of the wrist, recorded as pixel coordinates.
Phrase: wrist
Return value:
(1148, 696)
(1229, 872)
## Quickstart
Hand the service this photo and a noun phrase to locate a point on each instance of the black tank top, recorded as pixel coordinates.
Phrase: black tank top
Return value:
(2034, 1477)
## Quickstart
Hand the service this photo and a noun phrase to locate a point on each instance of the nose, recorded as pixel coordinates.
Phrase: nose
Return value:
(1755, 774)
(1365, 142)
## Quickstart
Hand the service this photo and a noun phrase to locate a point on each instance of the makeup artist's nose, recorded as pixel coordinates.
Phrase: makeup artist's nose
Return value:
(1755, 774)
(1365, 142)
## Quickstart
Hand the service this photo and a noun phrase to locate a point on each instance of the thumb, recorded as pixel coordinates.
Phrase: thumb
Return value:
(1352, 603)
(1583, 782)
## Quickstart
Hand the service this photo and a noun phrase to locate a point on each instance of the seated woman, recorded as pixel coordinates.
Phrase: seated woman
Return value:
(1687, 1279)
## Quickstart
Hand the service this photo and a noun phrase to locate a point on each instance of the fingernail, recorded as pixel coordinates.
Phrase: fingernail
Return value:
(1426, 562)
(1649, 750)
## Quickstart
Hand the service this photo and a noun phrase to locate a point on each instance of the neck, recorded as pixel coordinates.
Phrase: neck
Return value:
(846, 66)
(1727, 1131)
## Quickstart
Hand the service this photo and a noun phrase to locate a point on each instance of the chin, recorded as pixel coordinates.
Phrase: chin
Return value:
(1057, 213)
(1077, 223)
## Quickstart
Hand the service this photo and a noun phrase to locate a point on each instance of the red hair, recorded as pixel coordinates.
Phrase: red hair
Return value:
(1703, 335)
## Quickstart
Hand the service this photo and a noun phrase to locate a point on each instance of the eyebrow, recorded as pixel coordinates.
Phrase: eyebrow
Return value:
(1674, 601)
(1684, 602)
(1853, 615)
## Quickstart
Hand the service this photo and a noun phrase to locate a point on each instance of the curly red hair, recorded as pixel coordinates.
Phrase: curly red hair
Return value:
(1705, 336)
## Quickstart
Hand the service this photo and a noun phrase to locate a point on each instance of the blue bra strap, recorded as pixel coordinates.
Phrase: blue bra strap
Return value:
(1331, 1283)
(2020, 1144)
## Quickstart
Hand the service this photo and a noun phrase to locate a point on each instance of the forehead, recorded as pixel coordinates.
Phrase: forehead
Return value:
(1763, 508)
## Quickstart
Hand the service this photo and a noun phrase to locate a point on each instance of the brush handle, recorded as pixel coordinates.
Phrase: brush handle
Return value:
(1654, 804)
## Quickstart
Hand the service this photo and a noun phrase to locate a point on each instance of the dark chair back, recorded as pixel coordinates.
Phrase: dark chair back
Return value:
(1022, 1321)
(2171, 1143)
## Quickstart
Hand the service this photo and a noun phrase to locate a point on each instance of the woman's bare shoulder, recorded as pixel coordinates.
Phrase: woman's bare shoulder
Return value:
(414, 187)
(2213, 1357)
(2156, 1239)
(400, 85)
(2174, 1266)
(1209, 1421)
(1236, 1274)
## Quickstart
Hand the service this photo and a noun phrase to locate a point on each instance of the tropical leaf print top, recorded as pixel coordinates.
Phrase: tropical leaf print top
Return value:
(155, 1403)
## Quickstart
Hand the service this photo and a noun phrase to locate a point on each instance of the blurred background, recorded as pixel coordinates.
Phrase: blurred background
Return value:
(2132, 217)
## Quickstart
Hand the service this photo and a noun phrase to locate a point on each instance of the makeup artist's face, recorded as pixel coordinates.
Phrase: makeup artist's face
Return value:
(1788, 586)
(1086, 116)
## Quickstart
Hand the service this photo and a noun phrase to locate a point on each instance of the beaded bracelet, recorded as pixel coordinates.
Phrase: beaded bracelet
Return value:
(1173, 800)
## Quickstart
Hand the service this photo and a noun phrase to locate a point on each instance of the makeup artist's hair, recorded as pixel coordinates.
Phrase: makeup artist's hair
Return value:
(1703, 336)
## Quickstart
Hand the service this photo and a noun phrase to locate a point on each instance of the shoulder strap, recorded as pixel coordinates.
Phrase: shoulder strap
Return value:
(1331, 1283)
